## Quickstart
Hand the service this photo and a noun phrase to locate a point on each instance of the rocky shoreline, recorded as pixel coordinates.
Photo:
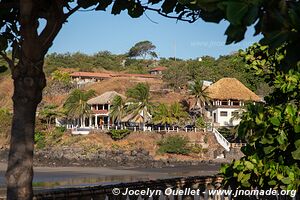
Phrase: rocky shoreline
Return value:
(76, 157)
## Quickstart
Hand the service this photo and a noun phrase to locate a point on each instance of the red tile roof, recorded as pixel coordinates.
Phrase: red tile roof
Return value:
(158, 69)
(91, 74)
(133, 75)
(108, 75)
(100, 111)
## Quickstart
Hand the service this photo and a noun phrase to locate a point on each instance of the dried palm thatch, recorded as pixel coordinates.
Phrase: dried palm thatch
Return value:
(231, 88)
(105, 98)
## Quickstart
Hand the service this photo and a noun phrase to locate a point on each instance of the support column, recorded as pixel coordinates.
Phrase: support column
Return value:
(90, 121)
(96, 119)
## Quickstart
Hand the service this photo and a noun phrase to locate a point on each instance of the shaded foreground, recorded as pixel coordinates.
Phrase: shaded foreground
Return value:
(62, 177)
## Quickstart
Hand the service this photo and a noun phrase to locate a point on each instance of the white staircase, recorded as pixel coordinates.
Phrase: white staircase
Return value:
(221, 140)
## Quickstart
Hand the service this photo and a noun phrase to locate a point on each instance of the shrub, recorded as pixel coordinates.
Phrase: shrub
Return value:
(196, 148)
(200, 123)
(39, 140)
(174, 144)
(58, 132)
(119, 134)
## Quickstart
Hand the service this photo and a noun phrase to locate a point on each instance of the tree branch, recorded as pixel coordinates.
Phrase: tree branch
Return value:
(168, 16)
(67, 15)
(55, 18)
(8, 60)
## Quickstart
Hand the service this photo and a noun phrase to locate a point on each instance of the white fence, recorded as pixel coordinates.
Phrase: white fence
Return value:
(221, 140)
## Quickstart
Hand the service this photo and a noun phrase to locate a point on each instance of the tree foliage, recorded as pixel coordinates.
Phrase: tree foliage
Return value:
(21, 32)
(201, 96)
(49, 113)
(272, 131)
(118, 109)
(142, 49)
(139, 101)
(173, 114)
(76, 104)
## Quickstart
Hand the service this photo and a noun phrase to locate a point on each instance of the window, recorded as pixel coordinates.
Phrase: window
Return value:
(105, 106)
(224, 103)
(223, 113)
(235, 103)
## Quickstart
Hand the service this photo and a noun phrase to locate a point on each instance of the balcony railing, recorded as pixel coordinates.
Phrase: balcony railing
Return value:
(221, 140)
(189, 188)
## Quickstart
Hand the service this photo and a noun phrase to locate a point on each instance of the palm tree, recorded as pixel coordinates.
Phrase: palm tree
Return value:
(117, 110)
(49, 113)
(76, 104)
(173, 114)
(162, 115)
(138, 101)
(178, 113)
(201, 96)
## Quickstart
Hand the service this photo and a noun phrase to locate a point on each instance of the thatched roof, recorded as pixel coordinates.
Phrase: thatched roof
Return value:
(231, 88)
(105, 98)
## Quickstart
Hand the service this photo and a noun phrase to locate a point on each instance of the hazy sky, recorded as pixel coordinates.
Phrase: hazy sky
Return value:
(90, 32)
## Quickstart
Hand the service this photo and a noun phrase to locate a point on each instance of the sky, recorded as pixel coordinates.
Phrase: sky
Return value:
(94, 31)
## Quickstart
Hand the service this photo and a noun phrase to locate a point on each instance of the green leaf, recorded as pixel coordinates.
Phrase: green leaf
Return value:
(136, 11)
(249, 165)
(275, 39)
(118, 6)
(168, 6)
(275, 121)
(269, 149)
(282, 139)
(286, 180)
(235, 12)
(245, 180)
(235, 33)
(296, 153)
(272, 182)
(103, 4)
(87, 3)
(251, 15)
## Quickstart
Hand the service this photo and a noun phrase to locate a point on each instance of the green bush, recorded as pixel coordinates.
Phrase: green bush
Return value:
(56, 134)
(200, 123)
(196, 148)
(174, 144)
(119, 134)
(39, 140)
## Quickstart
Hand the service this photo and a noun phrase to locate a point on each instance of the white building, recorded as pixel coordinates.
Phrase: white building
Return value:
(99, 115)
(228, 96)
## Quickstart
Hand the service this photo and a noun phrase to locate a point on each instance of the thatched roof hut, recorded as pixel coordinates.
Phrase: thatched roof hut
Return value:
(231, 88)
(105, 98)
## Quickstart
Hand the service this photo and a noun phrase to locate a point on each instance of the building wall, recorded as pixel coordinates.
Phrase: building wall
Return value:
(225, 120)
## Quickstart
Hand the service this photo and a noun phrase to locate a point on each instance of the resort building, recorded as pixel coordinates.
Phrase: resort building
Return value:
(88, 77)
(99, 115)
(100, 107)
(157, 70)
(228, 96)
(82, 78)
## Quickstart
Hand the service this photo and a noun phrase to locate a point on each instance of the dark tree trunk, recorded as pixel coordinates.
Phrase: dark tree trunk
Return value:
(29, 81)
